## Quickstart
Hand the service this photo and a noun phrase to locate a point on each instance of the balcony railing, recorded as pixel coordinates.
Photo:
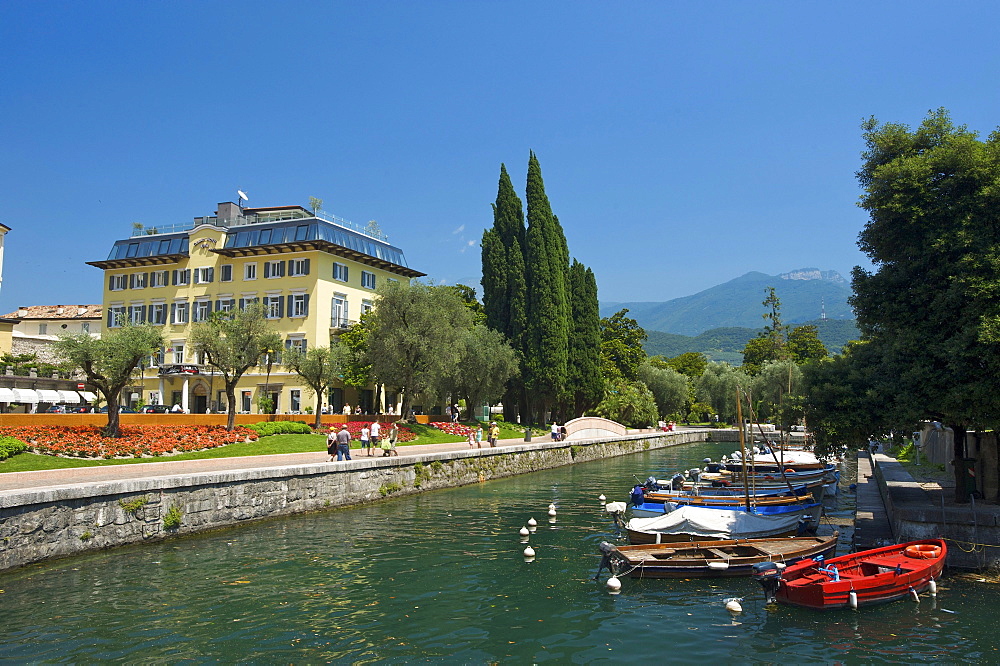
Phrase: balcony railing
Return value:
(275, 216)
(341, 322)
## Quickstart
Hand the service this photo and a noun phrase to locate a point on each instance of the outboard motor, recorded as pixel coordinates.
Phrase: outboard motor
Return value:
(651, 483)
(638, 496)
(695, 474)
(713, 467)
(607, 560)
(769, 576)
(677, 481)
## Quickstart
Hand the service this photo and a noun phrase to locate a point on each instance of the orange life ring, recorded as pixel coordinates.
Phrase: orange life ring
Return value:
(789, 471)
(923, 551)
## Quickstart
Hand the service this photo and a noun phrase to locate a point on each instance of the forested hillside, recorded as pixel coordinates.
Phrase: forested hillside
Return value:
(726, 344)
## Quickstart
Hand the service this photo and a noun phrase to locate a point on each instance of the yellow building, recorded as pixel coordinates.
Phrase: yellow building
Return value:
(314, 273)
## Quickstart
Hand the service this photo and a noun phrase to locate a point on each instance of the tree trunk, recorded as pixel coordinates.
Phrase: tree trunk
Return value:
(319, 407)
(958, 464)
(231, 407)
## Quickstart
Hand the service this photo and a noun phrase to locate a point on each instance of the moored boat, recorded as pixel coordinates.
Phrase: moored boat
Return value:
(709, 559)
(857, 579)
(695, 523)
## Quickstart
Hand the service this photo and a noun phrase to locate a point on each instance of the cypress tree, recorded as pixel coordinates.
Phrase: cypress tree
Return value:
(547, 348)
(584, 377)
(504, 290)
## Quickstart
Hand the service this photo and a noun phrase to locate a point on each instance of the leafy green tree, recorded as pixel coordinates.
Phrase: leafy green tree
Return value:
(486, 365)
(584, 377)
(232, 343)
(630, 403)
(108, 361)
(319, 367)
(691, 364)
(804, 344)
(415, 338)
(777, 386)
(468, 296)
(932, 196)
(717, 386)
(769, 345)
(621, 345)
(504, 281)
(546, 352)
(669, 388)
(356, 368)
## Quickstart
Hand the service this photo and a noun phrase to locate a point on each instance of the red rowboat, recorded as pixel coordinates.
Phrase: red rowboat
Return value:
(857, 579)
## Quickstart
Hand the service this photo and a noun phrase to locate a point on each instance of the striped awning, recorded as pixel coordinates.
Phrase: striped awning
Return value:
(69, 397)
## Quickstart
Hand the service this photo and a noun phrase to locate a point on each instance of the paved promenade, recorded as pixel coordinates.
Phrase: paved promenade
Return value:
(85, 475)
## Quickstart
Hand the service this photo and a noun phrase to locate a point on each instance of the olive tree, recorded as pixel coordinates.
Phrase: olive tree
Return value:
(108, 361)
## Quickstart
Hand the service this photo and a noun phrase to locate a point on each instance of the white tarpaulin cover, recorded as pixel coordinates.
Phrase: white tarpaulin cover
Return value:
(89, 397)
(714, 523)
(6, 395)
(785, 458)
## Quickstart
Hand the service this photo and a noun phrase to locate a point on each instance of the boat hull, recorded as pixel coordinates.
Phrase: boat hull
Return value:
(875, 576)
(715, 559)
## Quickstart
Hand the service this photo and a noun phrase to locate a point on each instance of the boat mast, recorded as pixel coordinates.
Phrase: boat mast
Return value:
(743, 448)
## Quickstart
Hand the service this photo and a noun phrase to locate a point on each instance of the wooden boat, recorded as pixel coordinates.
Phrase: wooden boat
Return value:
(810, 510)
(720, 500)
(709, 559)
(857, 579)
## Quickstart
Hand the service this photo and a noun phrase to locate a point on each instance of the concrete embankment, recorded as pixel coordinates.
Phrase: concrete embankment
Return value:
(42, 522)
(926, 511)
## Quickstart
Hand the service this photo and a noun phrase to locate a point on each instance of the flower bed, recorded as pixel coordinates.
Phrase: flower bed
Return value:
(136, 440)
(354, 427)
(453, 428)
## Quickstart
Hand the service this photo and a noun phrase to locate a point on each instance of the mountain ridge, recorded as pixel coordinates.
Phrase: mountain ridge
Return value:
(806, 294)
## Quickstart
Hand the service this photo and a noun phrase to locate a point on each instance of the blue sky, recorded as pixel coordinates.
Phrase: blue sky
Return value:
(682, 144)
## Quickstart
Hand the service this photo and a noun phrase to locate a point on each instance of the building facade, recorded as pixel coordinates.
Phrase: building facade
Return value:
(315, 275)
(39, 326)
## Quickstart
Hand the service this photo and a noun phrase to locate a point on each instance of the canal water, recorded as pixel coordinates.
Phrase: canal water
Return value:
(440, 577)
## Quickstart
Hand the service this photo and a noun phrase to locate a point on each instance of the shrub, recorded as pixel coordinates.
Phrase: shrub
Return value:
(11, 446)
(268, 428)
(172, 519)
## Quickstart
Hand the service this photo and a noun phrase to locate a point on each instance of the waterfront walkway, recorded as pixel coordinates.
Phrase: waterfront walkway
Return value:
(85, 475)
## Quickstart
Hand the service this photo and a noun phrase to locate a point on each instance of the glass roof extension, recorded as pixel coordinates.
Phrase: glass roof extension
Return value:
(296, 230)
(133, 248)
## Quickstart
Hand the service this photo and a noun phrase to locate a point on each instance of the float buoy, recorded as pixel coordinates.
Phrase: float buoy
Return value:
(852, 599)
(602, 498)
(923, 551)
(529, 552)
(734, 606)
(914, 595)
(614, 585)
(932, 587)
(552, 511)
(532, 522)
(524, 532)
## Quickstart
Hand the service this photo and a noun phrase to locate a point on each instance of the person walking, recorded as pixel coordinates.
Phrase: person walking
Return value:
(555, 431)
(494, 433)
(376, 433)
(365, 439)
(331, 443)
(343, 443)
(471, 439)
(455, 413)
(389, 441)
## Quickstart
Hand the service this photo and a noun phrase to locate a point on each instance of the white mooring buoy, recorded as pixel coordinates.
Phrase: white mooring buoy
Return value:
(552, 507)
(852, 599)
(614, 585)
(529, 553)
(524, 531)
(734, 606)
(932, 587)
(532, 522)
(602, 498)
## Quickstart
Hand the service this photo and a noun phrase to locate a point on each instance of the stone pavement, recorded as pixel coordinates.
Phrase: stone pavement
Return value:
(84, 475)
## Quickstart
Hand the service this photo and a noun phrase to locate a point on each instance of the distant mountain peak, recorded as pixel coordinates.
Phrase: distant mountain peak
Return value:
(813, 274)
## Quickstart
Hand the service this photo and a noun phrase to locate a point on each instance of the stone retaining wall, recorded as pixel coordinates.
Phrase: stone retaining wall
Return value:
(40, 524)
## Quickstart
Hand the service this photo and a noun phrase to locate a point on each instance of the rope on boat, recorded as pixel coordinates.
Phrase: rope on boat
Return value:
(973, 547)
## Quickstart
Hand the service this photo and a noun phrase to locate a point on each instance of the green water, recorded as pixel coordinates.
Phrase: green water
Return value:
(440, 577)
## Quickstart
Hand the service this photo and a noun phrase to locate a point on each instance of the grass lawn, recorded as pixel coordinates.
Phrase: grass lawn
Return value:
(29, 462)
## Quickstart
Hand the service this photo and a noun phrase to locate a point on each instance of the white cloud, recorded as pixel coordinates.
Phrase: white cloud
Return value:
(460, 229)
